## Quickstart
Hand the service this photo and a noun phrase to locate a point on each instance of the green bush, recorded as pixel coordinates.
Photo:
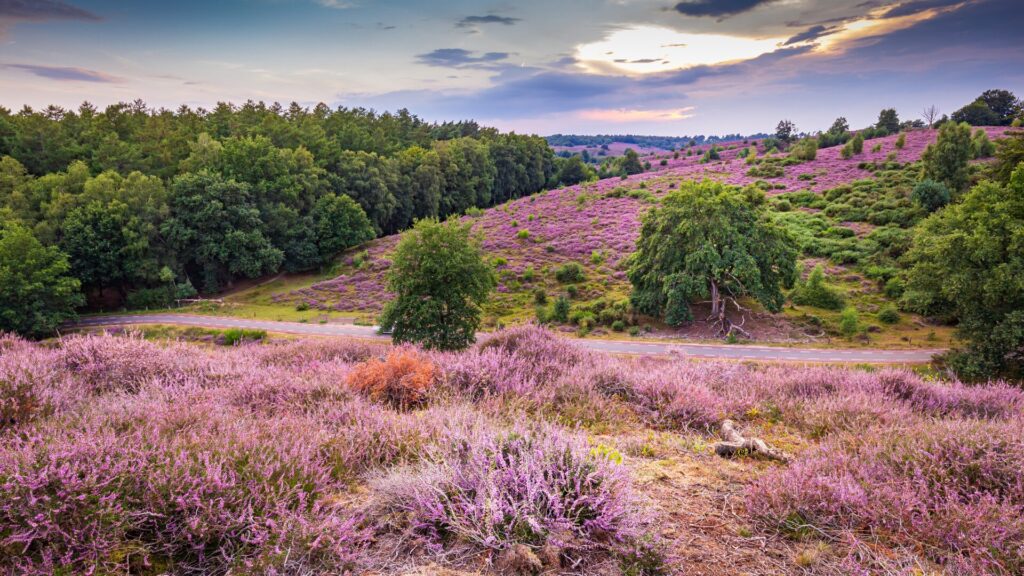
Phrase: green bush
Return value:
(560, 310)
(618, 326)
(814, 292)
(849, 323)
(981, 146)
(888, 314)
(766, 170)
(894, 288)
(523, 234)
(930, 195)
(572, 291)
(569, 272)
(540, 296)
(804, 150)
(857, 144)
(239, 335)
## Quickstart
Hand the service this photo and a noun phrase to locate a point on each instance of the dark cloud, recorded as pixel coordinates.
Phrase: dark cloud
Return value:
(42, 10)
(470, 21)
(639, 61)
(916, 6)
(66, 73)
(812, 33)
(528, 92)
(978, 30)
(717, 8)
(459, 58)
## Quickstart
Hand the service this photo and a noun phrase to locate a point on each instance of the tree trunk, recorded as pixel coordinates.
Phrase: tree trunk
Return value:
(716, 299)
(733, 442)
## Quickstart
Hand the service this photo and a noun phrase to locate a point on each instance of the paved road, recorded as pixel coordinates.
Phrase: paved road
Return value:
(730, 352)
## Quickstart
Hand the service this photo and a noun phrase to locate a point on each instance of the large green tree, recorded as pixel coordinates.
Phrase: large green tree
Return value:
(339, 223)
(440, 281)
(216, 230)
(710, 241)
(889, 121)
(37, 292)
(967, 262)
(946, 160)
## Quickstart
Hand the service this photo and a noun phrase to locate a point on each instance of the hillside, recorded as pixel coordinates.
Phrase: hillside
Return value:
(596, 226)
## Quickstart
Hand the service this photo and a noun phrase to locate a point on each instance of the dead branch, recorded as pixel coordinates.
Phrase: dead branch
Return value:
(733, 442)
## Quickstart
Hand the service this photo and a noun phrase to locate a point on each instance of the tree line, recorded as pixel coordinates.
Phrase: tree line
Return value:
(143, 206)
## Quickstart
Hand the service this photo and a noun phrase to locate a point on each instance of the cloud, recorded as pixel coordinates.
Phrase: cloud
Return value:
(42, 10)
(66, 73)
(812, 33)
(632, 115)
(917, 6)
(336, 4)
(471, 21)
(459, 58)
(717, 8)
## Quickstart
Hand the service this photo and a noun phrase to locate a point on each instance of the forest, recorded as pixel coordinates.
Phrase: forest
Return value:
(145, 206)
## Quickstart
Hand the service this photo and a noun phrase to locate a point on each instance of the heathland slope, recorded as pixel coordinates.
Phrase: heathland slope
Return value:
(595, 225)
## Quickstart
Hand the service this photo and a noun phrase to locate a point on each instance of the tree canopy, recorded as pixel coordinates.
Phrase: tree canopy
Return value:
(710, 241)
(440, 281)
(37, 292)
(946, 160)
(131, 194)
(968, 262)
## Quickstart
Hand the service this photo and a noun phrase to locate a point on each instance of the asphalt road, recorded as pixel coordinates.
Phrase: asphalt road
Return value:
(727, 352)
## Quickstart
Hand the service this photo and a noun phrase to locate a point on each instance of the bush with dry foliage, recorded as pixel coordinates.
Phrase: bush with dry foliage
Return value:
(402, 379)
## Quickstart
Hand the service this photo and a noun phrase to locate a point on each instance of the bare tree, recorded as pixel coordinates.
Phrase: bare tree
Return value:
(930, 114)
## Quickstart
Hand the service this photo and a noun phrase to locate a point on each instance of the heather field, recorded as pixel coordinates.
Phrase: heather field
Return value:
(521, 455)
(596, 225)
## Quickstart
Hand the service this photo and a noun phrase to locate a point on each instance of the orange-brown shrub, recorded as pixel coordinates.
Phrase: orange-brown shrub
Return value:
(401, 380)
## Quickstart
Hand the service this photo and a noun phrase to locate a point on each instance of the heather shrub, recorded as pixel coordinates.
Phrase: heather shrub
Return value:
(519, 361)
(316, 352)
(104, 364)
(189, 489)
(20, 402)
(949, 490)
(403, 379)
(528, 486)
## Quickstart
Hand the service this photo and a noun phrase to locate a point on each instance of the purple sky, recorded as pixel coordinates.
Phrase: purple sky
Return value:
(586, 66)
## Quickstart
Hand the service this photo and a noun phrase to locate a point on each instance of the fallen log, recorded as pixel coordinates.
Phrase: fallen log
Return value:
(733, 442)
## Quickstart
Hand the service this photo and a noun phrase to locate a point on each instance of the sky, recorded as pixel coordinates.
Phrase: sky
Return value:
(659, 67)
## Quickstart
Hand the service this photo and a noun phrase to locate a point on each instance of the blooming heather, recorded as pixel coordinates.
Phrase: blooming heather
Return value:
(123, 455)
(572, 223)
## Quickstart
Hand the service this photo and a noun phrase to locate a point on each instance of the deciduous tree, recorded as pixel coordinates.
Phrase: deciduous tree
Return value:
(710, 241)
(440, 281)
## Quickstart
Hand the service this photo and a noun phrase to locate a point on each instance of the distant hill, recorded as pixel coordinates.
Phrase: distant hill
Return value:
(659, 142)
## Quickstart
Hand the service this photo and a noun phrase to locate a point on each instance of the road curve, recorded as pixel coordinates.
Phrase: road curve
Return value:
(725, 352)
